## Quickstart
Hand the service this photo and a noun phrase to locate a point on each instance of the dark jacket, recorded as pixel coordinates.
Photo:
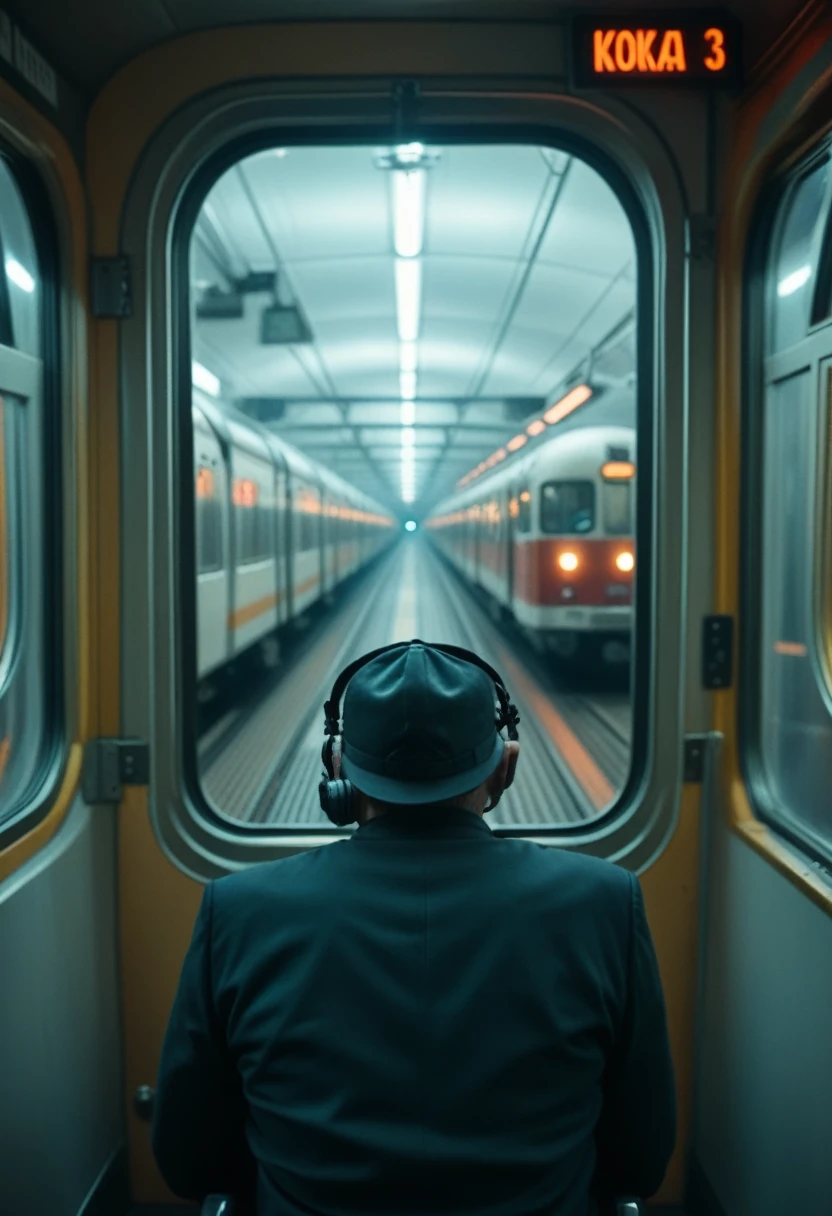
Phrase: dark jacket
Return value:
(426, 1019)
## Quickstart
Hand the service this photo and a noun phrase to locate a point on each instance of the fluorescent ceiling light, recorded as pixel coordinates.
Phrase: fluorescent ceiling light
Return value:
(408, 413)
(575, 397)
(517, 442)
(410, 154)
(408, 496)
(534, 428)
(408, 298)
(409, 212)
(205, 380)
(407, 357)
(410, 526)
(407, 385)
(794, 281)
(19, 275)
(408, 437)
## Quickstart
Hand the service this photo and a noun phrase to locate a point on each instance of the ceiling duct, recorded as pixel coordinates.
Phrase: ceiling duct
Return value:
(257, 281)
(284, 324)
(218, 305)
(264, 409)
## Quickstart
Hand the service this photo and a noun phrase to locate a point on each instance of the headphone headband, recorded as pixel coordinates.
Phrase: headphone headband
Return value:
(336, 795)
(508, 718)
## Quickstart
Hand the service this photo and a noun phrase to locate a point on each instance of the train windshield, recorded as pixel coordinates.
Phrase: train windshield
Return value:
(567, 507)
(407, 364)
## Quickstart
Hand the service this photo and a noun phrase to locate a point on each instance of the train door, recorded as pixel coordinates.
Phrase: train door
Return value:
(167, 842)
(328, 572)
(511, 540)
(213, 570)
(321, 532)
(281, 539)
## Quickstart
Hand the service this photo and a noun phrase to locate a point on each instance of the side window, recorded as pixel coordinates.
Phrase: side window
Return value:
(792, 270)
(618, 508)
(524, 510)
(567, 507)
(252, 521)
(29, 599)
(209, 556)
(788, 699)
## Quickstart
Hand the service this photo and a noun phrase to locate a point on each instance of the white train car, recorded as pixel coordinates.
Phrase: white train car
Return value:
(275, 535)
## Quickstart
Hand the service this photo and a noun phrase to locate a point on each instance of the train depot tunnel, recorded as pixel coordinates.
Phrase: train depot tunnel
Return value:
(412, 414)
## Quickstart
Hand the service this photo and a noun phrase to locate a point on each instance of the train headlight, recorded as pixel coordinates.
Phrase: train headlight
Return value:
(625, 562)
(568, 561)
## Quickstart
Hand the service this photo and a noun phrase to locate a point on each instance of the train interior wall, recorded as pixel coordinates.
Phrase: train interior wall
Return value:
(764, 1103)
(61, 1097)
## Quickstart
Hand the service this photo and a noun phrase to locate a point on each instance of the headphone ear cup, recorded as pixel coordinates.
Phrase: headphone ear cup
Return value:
(337, 801)
(326, 756)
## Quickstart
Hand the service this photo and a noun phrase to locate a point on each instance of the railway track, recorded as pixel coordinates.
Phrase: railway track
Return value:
(262, 766)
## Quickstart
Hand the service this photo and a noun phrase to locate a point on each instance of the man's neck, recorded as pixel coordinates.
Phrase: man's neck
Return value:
(372, 810)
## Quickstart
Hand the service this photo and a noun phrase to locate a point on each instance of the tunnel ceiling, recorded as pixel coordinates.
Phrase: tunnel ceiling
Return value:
(524, 285)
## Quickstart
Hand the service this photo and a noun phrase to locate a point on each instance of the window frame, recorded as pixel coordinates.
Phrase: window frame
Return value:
(182, 224)
(33, 804)
(760, 371)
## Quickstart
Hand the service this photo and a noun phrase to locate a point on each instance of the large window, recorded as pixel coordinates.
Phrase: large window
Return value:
(28, 602)
(442, 336)
(788, 608)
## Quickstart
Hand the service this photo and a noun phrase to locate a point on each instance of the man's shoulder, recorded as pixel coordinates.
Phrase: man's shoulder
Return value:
(284, 874)
(568, 868)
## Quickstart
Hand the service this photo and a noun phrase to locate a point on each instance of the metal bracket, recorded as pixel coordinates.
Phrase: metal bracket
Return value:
(110, 287)
(110, 764)
(406, 100)
(696, 748)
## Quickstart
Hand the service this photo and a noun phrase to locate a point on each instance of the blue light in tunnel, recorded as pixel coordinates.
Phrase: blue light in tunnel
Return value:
(410, 526)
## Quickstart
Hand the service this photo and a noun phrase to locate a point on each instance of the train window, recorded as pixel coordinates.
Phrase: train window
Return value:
(27, 634)
(567, 507)
(253, 535)
(788, 702)
(208, 521)
(618, 507)
(524, 510)
(401, 323)
(793, 272)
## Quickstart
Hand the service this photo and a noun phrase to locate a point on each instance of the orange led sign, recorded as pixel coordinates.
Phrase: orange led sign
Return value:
(618, 470)
(656, 47)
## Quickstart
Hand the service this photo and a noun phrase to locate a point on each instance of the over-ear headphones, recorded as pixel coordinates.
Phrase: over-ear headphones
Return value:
(336, 795)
